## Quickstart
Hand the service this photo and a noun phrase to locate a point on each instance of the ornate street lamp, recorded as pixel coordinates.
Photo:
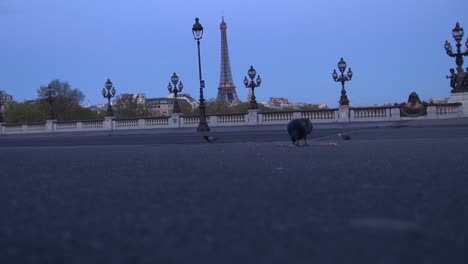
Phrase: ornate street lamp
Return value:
(252, 85)
(197, 31)
(175, 89)
(108, 92)
(4, 98)
(50, 93)
(458, 81)
(343, 78)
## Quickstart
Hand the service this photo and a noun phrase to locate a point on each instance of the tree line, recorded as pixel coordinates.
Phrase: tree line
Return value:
(66, 105)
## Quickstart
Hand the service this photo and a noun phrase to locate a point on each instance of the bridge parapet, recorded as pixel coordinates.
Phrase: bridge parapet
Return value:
(353, 114)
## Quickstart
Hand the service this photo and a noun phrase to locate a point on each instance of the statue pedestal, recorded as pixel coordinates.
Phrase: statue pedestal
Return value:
(174, 121)
(343, 113)
(252, 117)
(460, 98)
(107, 125)
(50, 125)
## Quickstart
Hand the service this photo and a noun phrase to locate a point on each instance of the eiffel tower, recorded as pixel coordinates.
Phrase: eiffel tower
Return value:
(226, 89)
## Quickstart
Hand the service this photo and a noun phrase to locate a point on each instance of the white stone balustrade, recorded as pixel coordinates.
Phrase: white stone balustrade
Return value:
(190, 121)
(156, 122)
(13, 128)
(96, 124)
(69, 125)
(273, 118)
(321, 116)
(368, 114)
(39, 126)
(252, 118)
(125, 123)
(448, 110)
(228, 119)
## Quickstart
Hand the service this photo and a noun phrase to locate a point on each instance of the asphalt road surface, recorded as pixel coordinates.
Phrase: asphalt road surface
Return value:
(389, 195)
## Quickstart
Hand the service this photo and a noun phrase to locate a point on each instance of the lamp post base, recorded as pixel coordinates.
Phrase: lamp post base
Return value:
(203, 127)
(343, 113)
(253, 105)
(344, 101)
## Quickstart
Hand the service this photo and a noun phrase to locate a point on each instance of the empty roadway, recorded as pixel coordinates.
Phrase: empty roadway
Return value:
(389, 195)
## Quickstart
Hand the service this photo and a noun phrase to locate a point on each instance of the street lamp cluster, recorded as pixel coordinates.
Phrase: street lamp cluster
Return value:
(252, 85)
(108, 92)
(459, 80)
(175, 89)
(342, 78)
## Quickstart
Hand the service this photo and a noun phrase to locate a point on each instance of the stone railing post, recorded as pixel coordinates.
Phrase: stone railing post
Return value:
(432, 112)
(343, 113)
(388, 113)
(259, 118)
(297, 115)
(50, 125)
(252, 117)
(141, 123)
(213, 120)
(79, 126)
(395, 114)
(175, 120)
(108, 124)
(1, 128)
(351, 115)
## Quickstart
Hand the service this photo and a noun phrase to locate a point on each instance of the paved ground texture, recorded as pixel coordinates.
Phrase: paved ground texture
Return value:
(389, 195)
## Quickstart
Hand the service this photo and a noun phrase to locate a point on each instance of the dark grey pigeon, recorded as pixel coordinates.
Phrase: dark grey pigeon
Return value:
(210, 139)
(299, 129)
(344, 136)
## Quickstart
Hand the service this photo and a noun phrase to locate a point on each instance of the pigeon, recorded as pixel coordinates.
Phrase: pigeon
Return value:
(299, 129)
(344, 136)
(210, 139)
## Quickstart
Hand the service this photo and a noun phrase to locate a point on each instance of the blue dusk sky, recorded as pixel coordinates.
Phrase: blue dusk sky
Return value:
(394, 47)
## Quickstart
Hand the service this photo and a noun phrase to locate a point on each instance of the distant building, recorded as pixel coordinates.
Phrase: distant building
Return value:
(160, 106)
(187, 97)
(277, 102)
(281, 102)
(438, 100)
(315, 106)
(6, 100)
(163, 106)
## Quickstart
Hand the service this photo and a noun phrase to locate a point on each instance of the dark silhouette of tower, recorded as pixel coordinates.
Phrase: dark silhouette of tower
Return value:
(226, 89)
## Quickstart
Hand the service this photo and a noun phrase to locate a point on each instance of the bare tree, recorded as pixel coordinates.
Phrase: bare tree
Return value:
(62, 90)
(67, 101)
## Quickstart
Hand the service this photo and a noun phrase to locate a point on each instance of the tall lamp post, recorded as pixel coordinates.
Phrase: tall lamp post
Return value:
(108, 92)
(4, 98)
(252, 85)
(175, 89)
(50, 93)
(342, 78)
(197, 31)
(458, 80)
